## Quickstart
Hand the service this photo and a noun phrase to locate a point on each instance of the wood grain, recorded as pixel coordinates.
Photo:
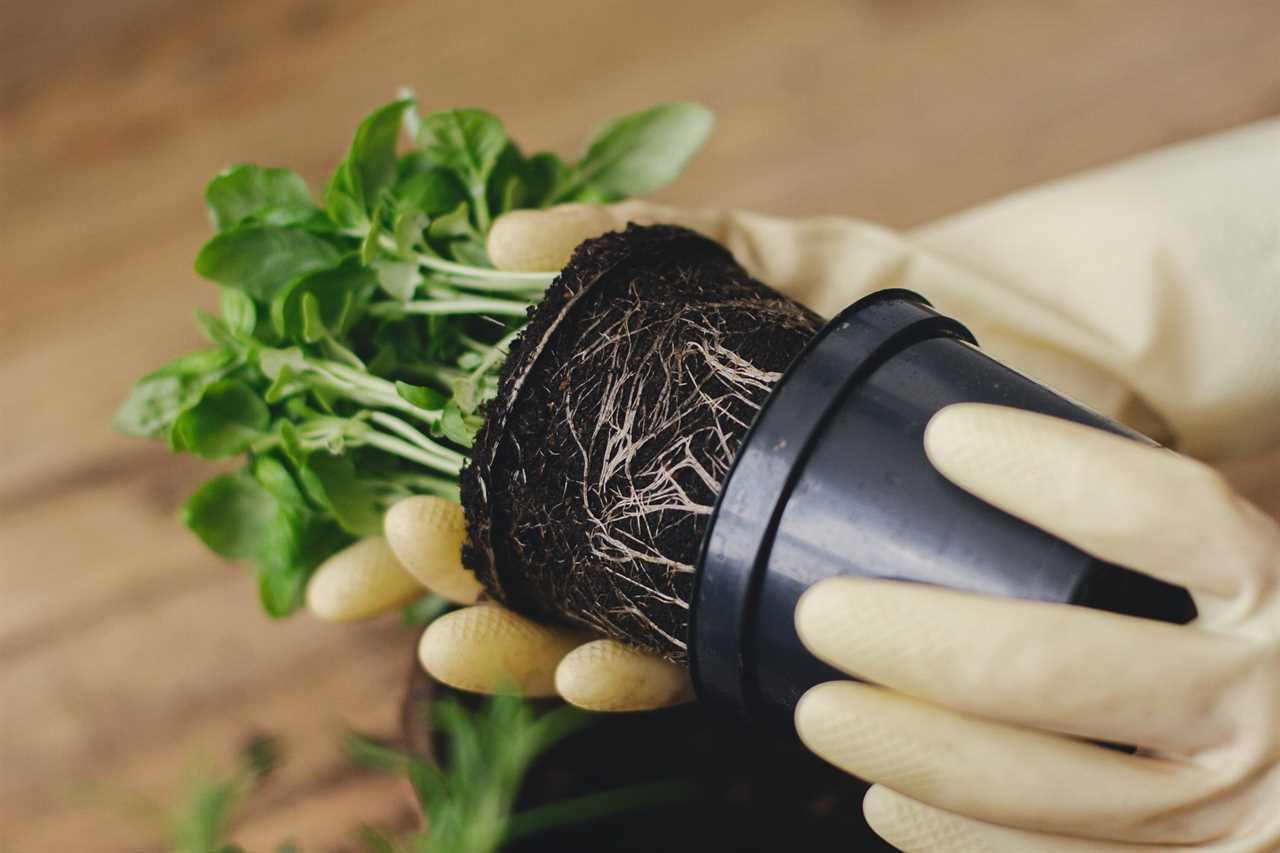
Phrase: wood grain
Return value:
(123, 645)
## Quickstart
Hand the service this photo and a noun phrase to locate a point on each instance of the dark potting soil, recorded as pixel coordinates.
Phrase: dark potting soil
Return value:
(619, 411)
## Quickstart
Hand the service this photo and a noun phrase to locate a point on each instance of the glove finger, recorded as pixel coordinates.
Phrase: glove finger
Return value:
(605, 675)
(1163, 514)
(1035, 664)
(543, 240)
(426, 534)
(486, 647)
(359, 581)
(914, 827)
(1001, 774)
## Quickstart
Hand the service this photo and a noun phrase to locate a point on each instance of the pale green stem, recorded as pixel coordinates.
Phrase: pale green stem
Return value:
(402, 448)
(407, 432)
(456, 306)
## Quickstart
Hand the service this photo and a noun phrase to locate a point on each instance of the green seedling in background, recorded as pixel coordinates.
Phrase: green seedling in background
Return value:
(468, 802)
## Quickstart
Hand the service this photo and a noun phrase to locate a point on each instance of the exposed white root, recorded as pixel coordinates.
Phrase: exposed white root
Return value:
(665, 423)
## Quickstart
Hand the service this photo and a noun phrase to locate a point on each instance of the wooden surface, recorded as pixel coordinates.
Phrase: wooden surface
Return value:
(123, 645)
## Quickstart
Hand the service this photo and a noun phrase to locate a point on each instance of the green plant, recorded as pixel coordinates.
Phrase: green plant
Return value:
(358, 339)
(469, 801)
(200, 815)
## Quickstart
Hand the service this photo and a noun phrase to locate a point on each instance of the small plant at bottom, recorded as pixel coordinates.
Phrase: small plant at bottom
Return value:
(469, 803)
(200, 815)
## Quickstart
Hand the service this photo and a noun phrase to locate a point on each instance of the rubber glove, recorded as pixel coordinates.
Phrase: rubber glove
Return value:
(974, 734)
(1104, 286)
(484, 646)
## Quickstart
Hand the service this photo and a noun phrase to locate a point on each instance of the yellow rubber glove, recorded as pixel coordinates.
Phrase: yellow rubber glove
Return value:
(485, 646)
(974, 734)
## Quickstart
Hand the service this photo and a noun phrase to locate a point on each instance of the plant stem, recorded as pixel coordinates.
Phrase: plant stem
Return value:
(441, 374)
(495, 354)
(535, 279)
(429, 484)
(404, 449)
(480, 205)
(407, 432)
(454, 306)
(368, 390)
(501, 285)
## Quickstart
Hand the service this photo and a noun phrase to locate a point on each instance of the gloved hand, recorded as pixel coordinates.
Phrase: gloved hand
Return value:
(974, 734)
(482, 646)
(1104, 286)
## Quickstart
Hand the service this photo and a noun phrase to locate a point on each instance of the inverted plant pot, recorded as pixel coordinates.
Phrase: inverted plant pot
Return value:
(832, 480)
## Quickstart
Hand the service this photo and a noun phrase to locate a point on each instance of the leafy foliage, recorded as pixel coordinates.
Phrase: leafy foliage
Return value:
(468, 801)
(358, 340)
(200, 815)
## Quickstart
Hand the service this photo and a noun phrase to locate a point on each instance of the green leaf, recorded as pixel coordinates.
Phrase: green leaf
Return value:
(458, 427)
(543, 176)
(218, 332)
(313, 326)
(335, 291)
(413, 162)
(430, 192)
(268, 196)
(157, 399)
(398, 279)
(261, 259)
(369, 167)
(371, 161)
(471, 252)
(430, 787)
(261, 755)
(274, 476)
(642, 152)
(407, 231)
(238, 310)
(231, 514)
(373, 754)
(384, 360)
(352, 501)
(369, 245)
(285, 383)
(228, 418)
(152, 405)
(453, 225)
(343, 208)
(469, 142)
(422, 397)
(506, 189)
(280, 593)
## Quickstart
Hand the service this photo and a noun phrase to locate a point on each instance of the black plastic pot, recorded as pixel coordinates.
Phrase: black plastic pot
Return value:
(833, 480)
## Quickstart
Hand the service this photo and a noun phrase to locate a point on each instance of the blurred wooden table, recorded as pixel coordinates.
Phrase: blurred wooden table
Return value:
(123, 645)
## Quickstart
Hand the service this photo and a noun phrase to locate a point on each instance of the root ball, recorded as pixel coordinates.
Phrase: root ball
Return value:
(620, 409)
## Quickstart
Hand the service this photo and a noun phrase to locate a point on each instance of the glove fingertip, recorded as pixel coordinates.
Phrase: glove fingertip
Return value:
(486, 647)
(544, 240)
(362, 580)
(426, 535)
(605, 675)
